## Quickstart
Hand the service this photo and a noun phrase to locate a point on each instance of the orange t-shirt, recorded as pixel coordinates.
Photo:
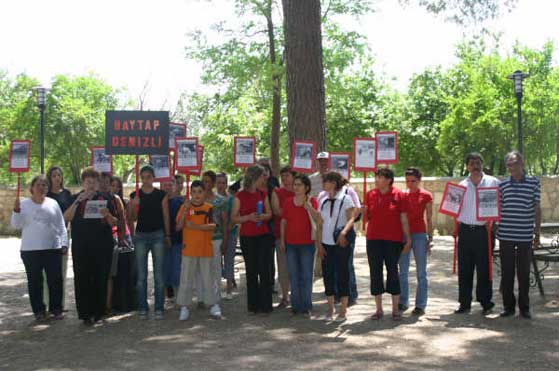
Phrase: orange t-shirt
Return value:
(195, 242)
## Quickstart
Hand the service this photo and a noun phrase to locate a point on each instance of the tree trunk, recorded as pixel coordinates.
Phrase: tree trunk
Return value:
(556, 167)
(306, 111)
(276, 94)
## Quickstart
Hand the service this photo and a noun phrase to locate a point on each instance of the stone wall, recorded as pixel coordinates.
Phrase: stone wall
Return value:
(443, 223)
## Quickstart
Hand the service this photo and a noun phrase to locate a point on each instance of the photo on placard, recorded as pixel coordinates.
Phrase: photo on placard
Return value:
(101, 161)
(365, 153)
(19, 155)
(186, 153)
(161, 166)
(176, 131)
(488, 203)
(339, 162)
(453, 198)
(303, 155)
(386, 147)
(244, 151)
(93, 209)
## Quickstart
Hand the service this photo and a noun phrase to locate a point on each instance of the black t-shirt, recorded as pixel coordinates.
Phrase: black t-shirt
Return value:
(150, 216)
(96, 229)
(64, 199)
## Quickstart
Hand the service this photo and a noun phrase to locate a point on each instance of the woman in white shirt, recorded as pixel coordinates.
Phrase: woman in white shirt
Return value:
(43, 238)
(338, 215)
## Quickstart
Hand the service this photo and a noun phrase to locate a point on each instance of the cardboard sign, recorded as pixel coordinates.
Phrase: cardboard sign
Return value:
(244, 151)
(453, 198)
(386, 147)
(100, 161)
(340, 163)
(176, 131)
(161, 167)
(19, 157)
(186, 156)
(488, 203)
(302, 157)
(198, 171)
(364, 154)
(137, 132)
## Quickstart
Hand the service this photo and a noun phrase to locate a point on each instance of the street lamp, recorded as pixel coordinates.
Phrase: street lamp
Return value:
(517, 78)
(41, 103)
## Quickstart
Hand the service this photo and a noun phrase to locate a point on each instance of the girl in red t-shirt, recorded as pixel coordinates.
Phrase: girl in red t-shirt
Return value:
(251, 209)
(297, 242)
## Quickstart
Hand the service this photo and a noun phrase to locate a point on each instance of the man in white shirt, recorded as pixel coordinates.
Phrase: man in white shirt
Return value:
(473, 249)
(322, 168)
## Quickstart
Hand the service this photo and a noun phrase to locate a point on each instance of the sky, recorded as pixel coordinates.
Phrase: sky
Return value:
(129, 43)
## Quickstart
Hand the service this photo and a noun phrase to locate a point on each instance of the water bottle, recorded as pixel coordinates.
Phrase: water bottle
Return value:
(259, 209)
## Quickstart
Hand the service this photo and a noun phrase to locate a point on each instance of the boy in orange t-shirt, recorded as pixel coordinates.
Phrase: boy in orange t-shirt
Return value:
(195, 220)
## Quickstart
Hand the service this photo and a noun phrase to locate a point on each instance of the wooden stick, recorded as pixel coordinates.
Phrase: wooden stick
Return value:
(18, 185)
(187, 186)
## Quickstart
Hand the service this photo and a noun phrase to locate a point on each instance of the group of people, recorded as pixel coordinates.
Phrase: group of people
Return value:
(304, 226)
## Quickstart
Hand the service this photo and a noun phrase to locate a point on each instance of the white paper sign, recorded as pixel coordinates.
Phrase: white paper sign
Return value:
(93, 209)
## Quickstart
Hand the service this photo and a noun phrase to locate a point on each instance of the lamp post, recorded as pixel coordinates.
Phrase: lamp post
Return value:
(517, 78)
(41, 103)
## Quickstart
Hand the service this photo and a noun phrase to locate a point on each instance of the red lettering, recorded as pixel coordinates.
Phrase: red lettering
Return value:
(125, 126)
(140, 125)
(123, 142)
(116, 125)
(155, 124)
(147, 126)
(114, 141)
(132, 141)
(146, 142)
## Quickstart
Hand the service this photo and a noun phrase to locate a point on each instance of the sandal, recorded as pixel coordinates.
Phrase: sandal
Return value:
(377, 316)
(396, 316)
(283, 304)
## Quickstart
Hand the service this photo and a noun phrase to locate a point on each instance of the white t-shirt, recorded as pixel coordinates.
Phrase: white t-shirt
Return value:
(42, 225)
(329, 220)
(468, 213)
(348, 190)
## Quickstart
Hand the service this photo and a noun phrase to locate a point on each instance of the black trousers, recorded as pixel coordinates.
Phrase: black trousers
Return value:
(515, 256)
(51, 262)
(387, 252)
(335, 270)
(258, 253)
(473, 255)
(92, 264)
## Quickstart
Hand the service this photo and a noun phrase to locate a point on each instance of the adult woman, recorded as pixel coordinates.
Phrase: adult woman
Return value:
(251, 209)
(63, 197)
(338, 215)
(297, 241)
(385, 211)
(42, 239)
(419, 207)
(153, 233)
(92, 216)
(279, 197)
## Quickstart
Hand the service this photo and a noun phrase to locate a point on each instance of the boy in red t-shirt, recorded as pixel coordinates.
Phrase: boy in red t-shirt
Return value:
(194, 219)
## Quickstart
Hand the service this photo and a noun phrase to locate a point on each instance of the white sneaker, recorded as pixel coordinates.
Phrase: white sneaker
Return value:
(215, 311)
(159, 315)
(228, 296)
(185, 314)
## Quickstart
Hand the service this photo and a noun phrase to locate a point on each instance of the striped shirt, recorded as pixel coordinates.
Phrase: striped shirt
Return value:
(519, 201)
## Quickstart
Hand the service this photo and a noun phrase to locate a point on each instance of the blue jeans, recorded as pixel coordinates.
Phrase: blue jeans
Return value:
(144, 242)
(419, 248)
(300, 263)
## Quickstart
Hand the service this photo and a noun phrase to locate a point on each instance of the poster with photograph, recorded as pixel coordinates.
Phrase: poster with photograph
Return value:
(302, 158)
(198, 171)
(453, 198)
(19, 156)
(339, 162)
(93, 209)
(161, 167)
(101, 161)
(245, 151)
(187, 154)
(488, 203)
(364, 154)
(176, 131)
(386, 147)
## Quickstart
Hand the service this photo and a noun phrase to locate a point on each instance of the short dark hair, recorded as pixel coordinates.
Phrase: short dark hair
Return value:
(90, 172)
(51, 170)
(222, 175)
(413, 171)
(334, 177)
(197, 184)
(149, 169)
(288, 169)
(473, 156)
(305, 180)
(211, 174)
(386, 173)
(179, 177)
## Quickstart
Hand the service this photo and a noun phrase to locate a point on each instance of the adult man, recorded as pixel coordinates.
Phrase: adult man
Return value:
(322, 168)
(473, 251)
(520, 211)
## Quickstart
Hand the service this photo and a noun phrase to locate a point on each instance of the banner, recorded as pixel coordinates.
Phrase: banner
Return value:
(137, 132)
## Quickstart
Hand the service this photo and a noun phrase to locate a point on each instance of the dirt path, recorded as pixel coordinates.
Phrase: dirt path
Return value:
(439, 340)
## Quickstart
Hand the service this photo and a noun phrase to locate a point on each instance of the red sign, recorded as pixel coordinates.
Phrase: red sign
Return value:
(100, 161)
(302, 156)
(453, 198)
(19, 157)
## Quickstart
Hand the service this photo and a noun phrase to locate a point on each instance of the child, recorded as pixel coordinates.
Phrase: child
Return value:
(194, 219)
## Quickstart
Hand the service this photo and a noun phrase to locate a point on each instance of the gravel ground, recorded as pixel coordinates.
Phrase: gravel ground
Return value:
(438, 340)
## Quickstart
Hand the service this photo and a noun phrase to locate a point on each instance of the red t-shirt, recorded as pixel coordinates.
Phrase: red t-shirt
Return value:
(298, 229)
(416, 203)
(383, 212)
(283, 194)
(248, 206)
